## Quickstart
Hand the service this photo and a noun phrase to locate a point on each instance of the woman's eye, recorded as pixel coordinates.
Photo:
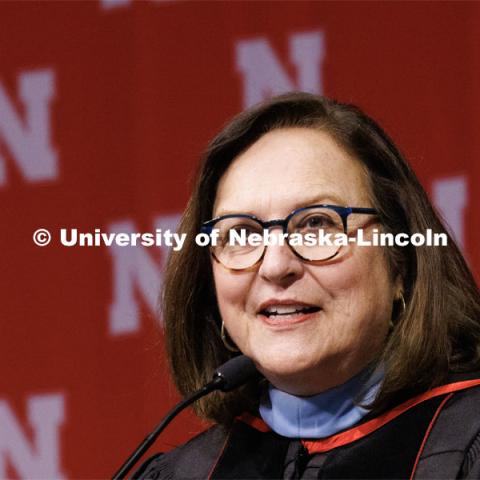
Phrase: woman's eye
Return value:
(238, 233)
(245, 230)
(317, 221)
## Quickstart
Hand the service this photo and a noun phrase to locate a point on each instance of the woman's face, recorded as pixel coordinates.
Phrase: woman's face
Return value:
(351, 295)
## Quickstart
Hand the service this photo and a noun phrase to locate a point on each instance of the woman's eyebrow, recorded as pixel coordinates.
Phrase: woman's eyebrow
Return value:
(324, 199)
(237, 211)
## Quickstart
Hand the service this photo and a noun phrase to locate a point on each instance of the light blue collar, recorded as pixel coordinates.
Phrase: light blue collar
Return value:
(320, 415)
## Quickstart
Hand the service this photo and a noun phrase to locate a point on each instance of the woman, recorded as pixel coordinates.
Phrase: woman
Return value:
(369, 353)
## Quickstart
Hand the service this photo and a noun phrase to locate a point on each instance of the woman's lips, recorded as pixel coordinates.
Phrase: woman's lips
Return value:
(287, 314)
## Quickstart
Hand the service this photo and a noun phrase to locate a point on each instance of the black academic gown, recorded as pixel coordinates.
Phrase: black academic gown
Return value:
(429, 436)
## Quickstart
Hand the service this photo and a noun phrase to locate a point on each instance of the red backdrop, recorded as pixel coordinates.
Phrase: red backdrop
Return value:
(104, 108)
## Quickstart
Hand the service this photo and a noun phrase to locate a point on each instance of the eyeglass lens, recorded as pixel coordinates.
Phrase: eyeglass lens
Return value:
(241, 242)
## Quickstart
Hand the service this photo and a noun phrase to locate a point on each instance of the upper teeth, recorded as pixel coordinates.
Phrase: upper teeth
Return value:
(284, 309)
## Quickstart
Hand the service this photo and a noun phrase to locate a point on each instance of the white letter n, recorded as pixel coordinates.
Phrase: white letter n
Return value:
(41, 458)
(263, 74)
(29, 140)
(135, 270)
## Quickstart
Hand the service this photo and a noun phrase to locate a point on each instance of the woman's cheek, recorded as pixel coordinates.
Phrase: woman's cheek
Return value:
(232, 296)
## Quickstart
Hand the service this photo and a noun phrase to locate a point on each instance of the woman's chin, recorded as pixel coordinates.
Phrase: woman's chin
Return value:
(298, 371)
(285, 368)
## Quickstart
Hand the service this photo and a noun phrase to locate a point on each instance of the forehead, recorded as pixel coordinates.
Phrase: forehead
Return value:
(289, 168)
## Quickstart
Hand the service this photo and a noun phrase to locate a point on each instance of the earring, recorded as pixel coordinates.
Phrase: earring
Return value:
(226, 341)
(404, 308)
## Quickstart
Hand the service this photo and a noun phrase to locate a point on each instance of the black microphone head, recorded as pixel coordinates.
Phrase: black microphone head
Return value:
(235, 372)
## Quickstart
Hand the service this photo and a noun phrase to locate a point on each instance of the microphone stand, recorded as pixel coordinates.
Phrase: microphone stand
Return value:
(215, 384)
(227, 377)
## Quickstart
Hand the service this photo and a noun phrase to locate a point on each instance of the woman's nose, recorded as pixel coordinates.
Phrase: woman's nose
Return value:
(280, 265)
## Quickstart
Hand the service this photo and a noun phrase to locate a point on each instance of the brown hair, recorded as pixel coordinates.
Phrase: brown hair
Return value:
(439, 332)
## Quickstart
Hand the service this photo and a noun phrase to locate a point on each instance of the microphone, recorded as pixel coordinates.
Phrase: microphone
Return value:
(234, 373)
(227, 377)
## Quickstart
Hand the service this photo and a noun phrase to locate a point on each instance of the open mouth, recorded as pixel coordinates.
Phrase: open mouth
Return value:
(286, 310)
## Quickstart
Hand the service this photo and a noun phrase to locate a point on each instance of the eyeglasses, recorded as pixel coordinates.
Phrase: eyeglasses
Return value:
(310, 224)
